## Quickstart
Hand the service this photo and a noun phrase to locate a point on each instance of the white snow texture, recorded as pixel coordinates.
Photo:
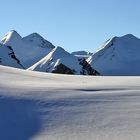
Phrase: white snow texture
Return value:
(41, 106)
(46, 106)
(29, 49)
(118, 56)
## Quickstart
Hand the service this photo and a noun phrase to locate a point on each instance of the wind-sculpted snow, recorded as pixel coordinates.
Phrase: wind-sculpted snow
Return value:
(40, 106)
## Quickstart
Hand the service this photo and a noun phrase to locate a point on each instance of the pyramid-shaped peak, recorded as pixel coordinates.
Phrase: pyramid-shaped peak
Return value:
(34, 35)
(11, 35)
(58, 48)
(124, 37)
(129, 37)
(59, 52)
(13, 31)
(37, 39)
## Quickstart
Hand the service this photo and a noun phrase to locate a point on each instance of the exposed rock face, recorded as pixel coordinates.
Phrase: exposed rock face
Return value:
(58, 60)
(8, 57)
(62, 69)
(12, 54)
(87, 69)
(62, 62)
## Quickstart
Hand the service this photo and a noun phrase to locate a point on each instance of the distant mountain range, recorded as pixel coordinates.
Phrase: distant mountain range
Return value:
(29, 49)
(61, 61)
(33, 52)
(118, 56)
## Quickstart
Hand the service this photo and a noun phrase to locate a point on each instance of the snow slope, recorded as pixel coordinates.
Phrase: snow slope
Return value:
(118, 56)
(8, 58)
(29, 49)
(57, 56)
(42, 106)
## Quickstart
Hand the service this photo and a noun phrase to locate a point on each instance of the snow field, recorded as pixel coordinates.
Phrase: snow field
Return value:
(40, 106)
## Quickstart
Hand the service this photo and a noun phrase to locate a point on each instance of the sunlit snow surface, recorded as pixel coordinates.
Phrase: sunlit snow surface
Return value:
(40, 106)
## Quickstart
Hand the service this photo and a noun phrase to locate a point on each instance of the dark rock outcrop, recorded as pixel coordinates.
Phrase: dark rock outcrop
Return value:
(87, 69)
(62, 69)
(12, 54)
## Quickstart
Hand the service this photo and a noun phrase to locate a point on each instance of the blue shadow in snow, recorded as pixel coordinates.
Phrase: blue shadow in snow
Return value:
(19, 119)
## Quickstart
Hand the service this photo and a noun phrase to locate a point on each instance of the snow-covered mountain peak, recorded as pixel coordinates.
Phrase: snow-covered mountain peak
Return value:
(33, 37)
(125, 42)
(61, 61)
(37, 39)
(57, 57)
(59, 52)
(118, 56)
(129, 36)
(29, 49)
(10, 36)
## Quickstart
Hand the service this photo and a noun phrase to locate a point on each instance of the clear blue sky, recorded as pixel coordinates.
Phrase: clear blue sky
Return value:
(72, 24)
